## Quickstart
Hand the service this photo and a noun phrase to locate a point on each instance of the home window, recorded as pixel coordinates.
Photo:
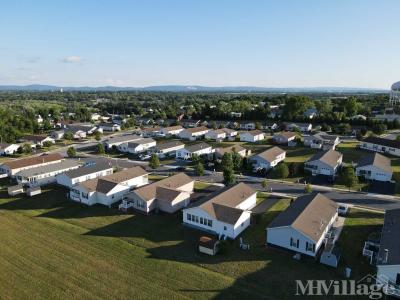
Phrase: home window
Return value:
(189, 217)
(209, 223)
(294, 242)
(310, 247)
(201, 220)
(140, 204)
(224, 227)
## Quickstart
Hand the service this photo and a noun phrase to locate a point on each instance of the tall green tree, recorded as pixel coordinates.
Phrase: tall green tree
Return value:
(154, 162)
(281, 171)
(237, 161)
(100, 149)
(348, 177)
(227, 166)
(199, 169)
(71, 152)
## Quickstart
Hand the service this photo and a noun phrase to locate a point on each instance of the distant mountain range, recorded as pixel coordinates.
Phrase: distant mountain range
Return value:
(190, 88)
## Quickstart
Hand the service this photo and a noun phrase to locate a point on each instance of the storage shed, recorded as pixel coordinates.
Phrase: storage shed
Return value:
(208, 245)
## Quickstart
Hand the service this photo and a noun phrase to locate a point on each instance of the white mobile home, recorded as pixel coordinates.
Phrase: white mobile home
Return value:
(199, 149)
(284, 137)
(168, 148)
(46, 174)
(117, 141)
(172, 130)
(109, 189)
(375, 167)
(194, 133)
(8, 149)
(219, 152)
(324, 163)
(138, 146)
(268, 159)
(226, 214)
(110, 127)
(14, 166)
(303, 127)
(321, 141)
(37, 140)
(381, 145)
(252, 136)
(303, 225)
(168, 195)
(70, 178)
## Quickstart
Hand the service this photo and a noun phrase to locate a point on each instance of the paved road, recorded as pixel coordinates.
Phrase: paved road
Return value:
(374, 201)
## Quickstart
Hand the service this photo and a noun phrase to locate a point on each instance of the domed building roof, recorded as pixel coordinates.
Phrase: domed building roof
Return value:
(396, 86)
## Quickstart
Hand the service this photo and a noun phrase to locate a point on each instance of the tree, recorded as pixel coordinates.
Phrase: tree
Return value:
(47, 144)
(199, 169)
(258, 125)
(100, 149)
(348, 177)
(26, 148)
(227, 161)
(97, 135)
(379, 128)
(213, 125)
(195, 159)
(154, 162)
(227, 166)
(295, 106)
(71, 152)
(264, 183)
(229, 176)
(68, 135)
(46, 125)
(237, 161)
(281, 171)
(351, 106)
(308, 189)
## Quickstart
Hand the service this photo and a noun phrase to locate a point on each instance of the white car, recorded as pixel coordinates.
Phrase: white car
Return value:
(144, 156)
(342, 209)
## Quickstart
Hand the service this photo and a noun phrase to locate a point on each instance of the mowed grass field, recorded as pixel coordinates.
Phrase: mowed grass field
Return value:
(52, 248)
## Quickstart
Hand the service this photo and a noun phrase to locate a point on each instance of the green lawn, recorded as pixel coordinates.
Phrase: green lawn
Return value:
(349, 151)
(201, 185)
(53, 248)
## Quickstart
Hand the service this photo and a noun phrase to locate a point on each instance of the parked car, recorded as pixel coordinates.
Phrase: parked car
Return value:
(144, 156)
(342, 209)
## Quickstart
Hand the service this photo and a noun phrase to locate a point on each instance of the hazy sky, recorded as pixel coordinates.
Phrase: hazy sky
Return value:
(281, 43)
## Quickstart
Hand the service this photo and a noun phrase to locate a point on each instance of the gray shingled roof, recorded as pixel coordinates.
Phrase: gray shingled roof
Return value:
(309, 214)
(271, 154)
(329, 157)
(86, 170)
(48, 168)
(140, 142)
(376, 160)
(123, 138)
(222, 205)
(168, 145)
(197, 147)
(31, 161)
(382, 142)
(390, 239)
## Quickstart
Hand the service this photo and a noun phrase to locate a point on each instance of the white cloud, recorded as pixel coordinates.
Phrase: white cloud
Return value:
(72, 59)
